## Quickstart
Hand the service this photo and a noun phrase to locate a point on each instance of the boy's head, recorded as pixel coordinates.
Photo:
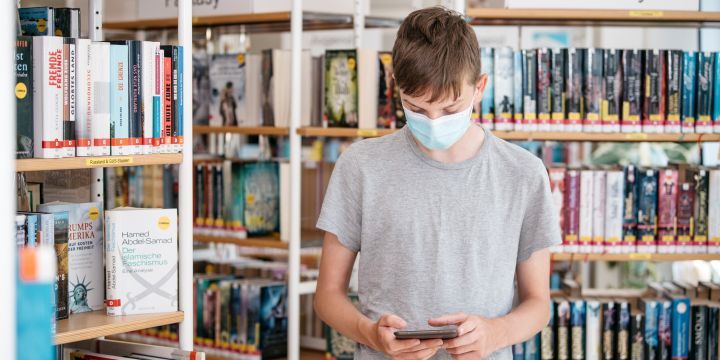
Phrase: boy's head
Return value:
(436, 62)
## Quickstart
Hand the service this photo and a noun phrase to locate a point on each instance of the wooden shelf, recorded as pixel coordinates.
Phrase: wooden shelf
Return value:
(524, 136)
(96, 162)
(573, 17)
(260, 242)
(633, 257)
(256, 130)
(95, 324)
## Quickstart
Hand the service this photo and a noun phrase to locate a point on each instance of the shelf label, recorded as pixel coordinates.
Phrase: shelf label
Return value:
(112, 160)
(637, 136)
(367, 132)
(646, 13)
(640, 256)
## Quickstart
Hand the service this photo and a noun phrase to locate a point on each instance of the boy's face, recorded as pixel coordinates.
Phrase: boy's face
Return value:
(448, 105)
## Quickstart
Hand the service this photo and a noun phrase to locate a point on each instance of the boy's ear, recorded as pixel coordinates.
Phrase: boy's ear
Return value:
(480, 87)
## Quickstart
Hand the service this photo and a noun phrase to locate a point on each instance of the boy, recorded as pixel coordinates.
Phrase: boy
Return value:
(445, 215)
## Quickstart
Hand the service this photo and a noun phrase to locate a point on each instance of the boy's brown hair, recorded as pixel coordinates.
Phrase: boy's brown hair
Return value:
(435, 51)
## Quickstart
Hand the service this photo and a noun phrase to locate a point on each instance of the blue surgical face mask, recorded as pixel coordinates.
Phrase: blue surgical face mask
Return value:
(440, 133)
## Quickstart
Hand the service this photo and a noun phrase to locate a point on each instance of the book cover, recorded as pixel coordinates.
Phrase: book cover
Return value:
(335, 65)
(674, 90)
(714, 212)
(557, 188)
(571, 208)
(341, 88)
(632, 91)
(261, 192)
(532, 348)
(667, 210)
(149, 92)
(630, 219)
(227, 89)
(637, 336)
(647, 217)
(99, 59)
(688, 92)
(699, 336)
(593, 330)
(655, 68)
(716, 92)
(614, 199)
(598, 211)
(651, 310)
(713, 332)
(486, 112)
(563, 329)
(665, 330)
(224, 313)
(609, 335)
(67, 22)
(558, 113)
(24, 96)
(201, 85)
(530, 66)
(518, 92)
(586, 211)
(622, 349)
(704, 94)
(575, 88)
(168, 101)
(37, 21)
(386, 87)
(69, 91)
(48, 82)
(504, 105)
(273, 320)
(681, 329)
(700, 216)
(119, 100)
(141, 260)
(592, 90)
(518, 351)
(544, 91)
(685, 212)
(31, 229)
(178, 54)
(577, 330)
(612, 90)
(547, 336)
(158, 118)
(47, 229)
(83, 98)
(135, 83)
(61, 229)
(85, 254)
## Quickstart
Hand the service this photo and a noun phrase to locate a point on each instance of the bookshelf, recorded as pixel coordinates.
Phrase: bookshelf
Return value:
(96, 162)
(633, 257)
(249, 130)
(93, 324)
(259, 242)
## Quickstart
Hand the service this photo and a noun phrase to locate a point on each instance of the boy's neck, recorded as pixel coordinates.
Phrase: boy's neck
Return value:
(464, 149)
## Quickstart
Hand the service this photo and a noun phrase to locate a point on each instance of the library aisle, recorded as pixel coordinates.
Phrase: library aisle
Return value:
(316, 179)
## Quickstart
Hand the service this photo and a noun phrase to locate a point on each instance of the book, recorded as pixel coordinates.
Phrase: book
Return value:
(100, 70)
(713, 331)
(159, 100)
(142, 261)
(341, 89)
(487, 103)
(632, 91)
(700, 214)
(575, 87)
(85, 254)
(685, 212)
(48, 80)
(119, 100)
(532, 348)
(173, 114)
(518, 351)
(637, 336)
(179, 86)
(674, 90)
(667, 210)
(518, 86)
(609, 334)
(60, 228)
(135, 83)
(598, 210)
(547, 336)
(261, 191)
(227, 90)
(714, 212)
(704, 94)
(699, 336)
(504, 94)
(688, 95)
(577, 329)
(150, 93)
(614, 199)
(651, 310)
(529, 70)
(586, 211)
(622, 348)
(168, 100)
(24, 96)
(390, 112)
(630, 219)
(544, 91)
(571, 205)
(593, 331)
(563, 329)
(83, 98)
(67, 22)
(267, 319)
(558, 74)
(681, 329)
(592, 90)
(647, 217)
(69, 91)
(716, 93)
(610, 107)
(655, 68)
(37, 21)
(665, 329)
(557, 188)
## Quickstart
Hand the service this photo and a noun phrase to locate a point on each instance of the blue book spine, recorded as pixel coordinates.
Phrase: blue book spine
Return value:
(518, 86)
(652, 318)
(31, 229)
(665, 330)
(119, 100)
(577, 330)
(680, 325)
(713, 326)
(519, 351)
(180, 105)
(716, 91)
(647, 217)
(487, 106)
(689, 109)
(532, 348)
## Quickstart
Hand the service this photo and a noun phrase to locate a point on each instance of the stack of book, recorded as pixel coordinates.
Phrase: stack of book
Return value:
(150, 186)
(671, 210)
(76, 97)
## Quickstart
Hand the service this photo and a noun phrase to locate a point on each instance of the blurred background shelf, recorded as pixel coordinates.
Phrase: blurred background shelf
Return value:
(633, 257)
(94, 324)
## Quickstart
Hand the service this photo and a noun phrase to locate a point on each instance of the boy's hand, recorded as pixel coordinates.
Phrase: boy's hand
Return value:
(383, 339)
(476, 336)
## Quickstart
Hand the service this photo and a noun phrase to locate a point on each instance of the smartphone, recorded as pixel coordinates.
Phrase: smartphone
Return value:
(443, 334)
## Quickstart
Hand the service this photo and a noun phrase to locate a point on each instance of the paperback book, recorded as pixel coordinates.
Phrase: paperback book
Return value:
(575, 88)
(341, 91)
(24, 96)
(557, 90)
(612, 90)
(487, 103)
(504, 106)
(544, 91)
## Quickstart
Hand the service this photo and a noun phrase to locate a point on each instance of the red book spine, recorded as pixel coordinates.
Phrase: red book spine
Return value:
(571, 216)
(557, 188)
(167, 123)
(667, 209)
(685, 212)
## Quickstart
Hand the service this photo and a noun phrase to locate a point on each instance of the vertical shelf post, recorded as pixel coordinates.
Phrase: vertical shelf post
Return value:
(8, 249)
(95, 33)
(359, 22)
(295, 150)
(185, 200)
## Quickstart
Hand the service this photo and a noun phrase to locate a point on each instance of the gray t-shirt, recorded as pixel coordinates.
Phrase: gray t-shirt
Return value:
(438, 238)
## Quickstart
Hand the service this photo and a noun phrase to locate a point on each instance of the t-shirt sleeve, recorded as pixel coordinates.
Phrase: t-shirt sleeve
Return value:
(540, 225)
(341, 209)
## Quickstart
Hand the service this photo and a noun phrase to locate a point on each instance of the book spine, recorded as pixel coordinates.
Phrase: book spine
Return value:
(699, 340)
(179, 112)
(100, 69)
(665, 330)
(158, 100)
(84, 99)
(24, 96)
(518, 83)
(558, 113)
(69, 91)
(572, 211)
(503, 96)
(622, 350)
(547, 336)
(614, 197)
(61, 251)
(652, 317)
(148, 92)
(647, 216)
(681, 330)
(168, 105)
(593, 332)
(47, 87)
(609, 338)
(674, 90)
(686, 206)
(592, 94)
(557, 187)
(586, 211)
(36, 21)
(714, 212)
(716, 92)
(598, 211)
(577, 330)
(487, 105)
(563, 330)
(689, 87)
(713, 332)
(630, 219)
(700, 233)
(667, 211)
(612, 91)
(637, 337)
(530, 66)
(544, 91)
(135, 76)
(704, 93)
(632, 91)
(518, 351)
(119, 101)
(574, 92)
(653, 115)
(174, 122)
